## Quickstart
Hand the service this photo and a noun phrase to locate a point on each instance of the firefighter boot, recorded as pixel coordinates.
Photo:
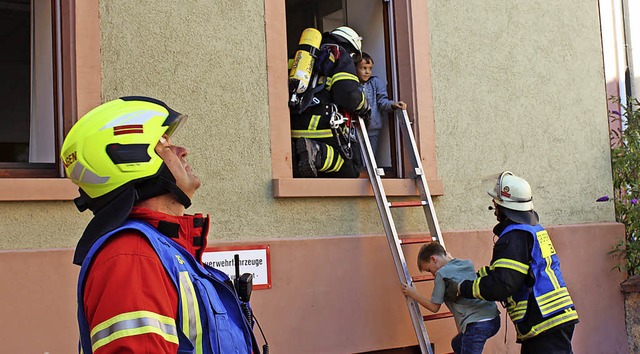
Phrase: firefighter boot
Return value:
(309, 158)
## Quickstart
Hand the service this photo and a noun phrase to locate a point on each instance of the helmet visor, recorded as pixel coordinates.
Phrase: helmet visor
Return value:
(175, 120)
(491, 184)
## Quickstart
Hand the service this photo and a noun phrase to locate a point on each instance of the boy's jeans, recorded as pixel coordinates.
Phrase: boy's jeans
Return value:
(476, 334)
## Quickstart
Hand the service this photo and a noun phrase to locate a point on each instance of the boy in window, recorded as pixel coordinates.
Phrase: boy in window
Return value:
(376, 93)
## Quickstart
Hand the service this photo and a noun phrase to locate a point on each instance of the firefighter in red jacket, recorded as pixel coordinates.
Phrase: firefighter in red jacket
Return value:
(324, 148)
(142, 286)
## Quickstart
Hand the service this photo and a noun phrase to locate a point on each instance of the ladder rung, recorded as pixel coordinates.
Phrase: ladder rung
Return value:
(412, 203)
(437, 316)
(414, 240)
(420, 278)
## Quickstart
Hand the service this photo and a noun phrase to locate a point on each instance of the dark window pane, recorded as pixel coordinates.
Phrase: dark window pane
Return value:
(15, 80)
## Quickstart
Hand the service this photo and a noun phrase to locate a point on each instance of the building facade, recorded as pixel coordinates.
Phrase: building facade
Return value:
(491, 86)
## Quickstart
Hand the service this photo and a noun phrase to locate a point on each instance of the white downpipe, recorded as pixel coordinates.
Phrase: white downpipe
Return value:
(631, 11)
(621, 52)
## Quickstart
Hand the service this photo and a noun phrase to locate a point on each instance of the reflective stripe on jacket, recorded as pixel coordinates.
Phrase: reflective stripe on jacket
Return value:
(204, 299)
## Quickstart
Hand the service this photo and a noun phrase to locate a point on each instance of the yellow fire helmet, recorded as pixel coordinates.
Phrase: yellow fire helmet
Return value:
(110, 154)
(115, 142)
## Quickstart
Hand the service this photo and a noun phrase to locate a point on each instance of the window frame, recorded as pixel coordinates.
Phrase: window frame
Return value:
(415, 89)
(77, 76)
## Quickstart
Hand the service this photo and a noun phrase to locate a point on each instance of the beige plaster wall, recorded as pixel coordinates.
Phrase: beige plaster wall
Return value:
(516, 86)
(34, 225)
(519, 85)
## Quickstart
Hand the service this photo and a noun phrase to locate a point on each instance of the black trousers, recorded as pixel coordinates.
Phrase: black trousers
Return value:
(554, 341)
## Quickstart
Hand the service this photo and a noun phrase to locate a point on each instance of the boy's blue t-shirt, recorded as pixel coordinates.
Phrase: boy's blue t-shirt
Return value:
(464, 310)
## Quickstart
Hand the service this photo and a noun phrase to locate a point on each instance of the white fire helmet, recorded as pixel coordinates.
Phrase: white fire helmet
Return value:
(512, 192)
(350, 36)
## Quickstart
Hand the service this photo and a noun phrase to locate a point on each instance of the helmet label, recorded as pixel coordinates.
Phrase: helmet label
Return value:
(128, 129)
(505, 192)
(69, 159)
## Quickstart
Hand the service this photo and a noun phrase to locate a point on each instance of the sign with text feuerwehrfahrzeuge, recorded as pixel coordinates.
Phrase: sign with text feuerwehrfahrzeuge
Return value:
(253, 259)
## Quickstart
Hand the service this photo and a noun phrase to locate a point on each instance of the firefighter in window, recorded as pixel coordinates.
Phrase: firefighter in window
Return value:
(325, 95)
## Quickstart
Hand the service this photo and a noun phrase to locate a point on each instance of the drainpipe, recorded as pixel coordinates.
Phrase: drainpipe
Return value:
(631, 13)
(620, 50)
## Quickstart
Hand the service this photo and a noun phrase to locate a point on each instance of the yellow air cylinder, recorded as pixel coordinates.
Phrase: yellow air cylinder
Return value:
(300, 73)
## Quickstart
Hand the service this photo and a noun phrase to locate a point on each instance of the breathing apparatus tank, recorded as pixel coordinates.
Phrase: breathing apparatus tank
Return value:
(302, 68)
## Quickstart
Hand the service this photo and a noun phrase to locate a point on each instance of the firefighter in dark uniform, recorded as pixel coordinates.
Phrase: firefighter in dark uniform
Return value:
(323, 148)
(524, 273)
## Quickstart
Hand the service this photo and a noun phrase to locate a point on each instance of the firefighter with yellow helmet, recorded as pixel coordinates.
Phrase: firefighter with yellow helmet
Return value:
(524, 272)
(324, 91)
(142, 286)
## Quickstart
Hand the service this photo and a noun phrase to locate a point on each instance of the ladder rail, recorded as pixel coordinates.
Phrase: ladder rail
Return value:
(417, 318)
(418, 173)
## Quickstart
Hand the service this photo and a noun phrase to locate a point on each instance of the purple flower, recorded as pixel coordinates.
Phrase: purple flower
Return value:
(615, 112)
(634, 201)
(605, 199)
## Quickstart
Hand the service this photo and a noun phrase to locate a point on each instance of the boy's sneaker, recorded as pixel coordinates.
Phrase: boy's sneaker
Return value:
(309, 160)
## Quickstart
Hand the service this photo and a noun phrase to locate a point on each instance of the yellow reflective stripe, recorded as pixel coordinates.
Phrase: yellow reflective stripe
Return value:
(362, 102)
(554, 301)
(552, 296)
(557, 305)
(329, 159)
(568, 315)
(516, 316)
(312, 134)
(476, 289)
(338, 165)
(517, 306)
(551, 273)
(516, 310)
(343, 76)
(133, 324)
(191, 323)
(340, 76)
(483, 272)
(328, 83)
(313, 123)
(511, 264)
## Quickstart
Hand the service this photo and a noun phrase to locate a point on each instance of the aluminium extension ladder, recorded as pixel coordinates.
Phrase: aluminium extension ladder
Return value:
(384, 206)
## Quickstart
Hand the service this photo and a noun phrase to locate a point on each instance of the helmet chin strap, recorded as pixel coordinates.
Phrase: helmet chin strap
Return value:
(160, 184)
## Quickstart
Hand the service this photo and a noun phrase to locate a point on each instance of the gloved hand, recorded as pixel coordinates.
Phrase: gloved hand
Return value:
(451, 290)
(483, 271)
(365, 114)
